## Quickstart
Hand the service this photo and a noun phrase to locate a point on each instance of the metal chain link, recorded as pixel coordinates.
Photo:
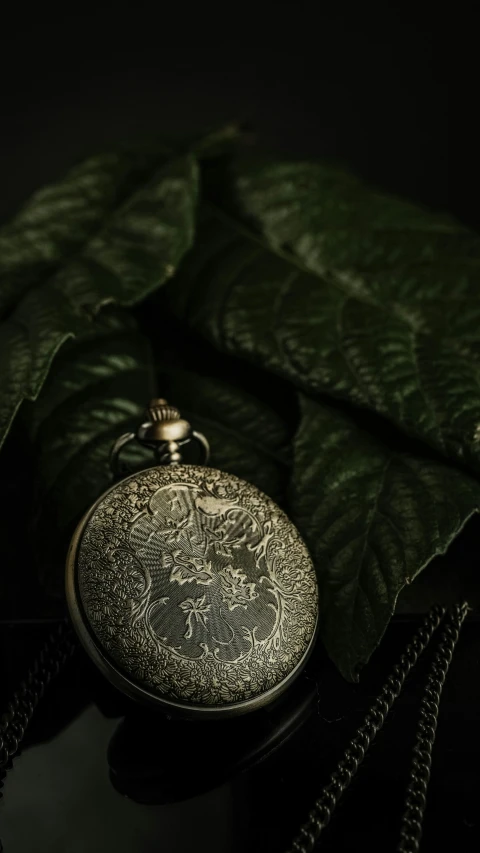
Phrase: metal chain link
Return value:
(324, 806)
(14, 721)
(415, 801)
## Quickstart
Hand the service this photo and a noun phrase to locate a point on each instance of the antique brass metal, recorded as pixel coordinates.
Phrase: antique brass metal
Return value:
(191, 589)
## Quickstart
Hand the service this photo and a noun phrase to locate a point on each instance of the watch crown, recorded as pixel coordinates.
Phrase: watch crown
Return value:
(165, 424)
(158, 410)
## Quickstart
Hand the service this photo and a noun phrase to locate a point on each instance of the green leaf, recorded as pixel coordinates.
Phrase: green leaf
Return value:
(327, 333)
(373, 516)
(59, 218)
(247, 437)
(375, 246)
(372, 340)
(138, 248)
(96, 391)
(218, 143)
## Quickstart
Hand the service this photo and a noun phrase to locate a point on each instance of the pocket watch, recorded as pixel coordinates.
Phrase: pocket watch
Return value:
(188, 587)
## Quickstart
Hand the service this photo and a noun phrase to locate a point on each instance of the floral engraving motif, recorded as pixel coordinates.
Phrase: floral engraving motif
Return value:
(190, 571)
(196, 585)
(196, 609)
(235, 590)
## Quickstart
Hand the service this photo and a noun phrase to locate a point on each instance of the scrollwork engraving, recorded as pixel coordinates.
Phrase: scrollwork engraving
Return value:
(197, 585)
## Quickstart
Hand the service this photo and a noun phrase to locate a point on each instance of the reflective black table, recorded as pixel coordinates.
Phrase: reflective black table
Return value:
(99, 773)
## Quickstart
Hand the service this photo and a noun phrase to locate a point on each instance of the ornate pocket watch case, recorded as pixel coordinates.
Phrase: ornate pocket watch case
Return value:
(189, 587)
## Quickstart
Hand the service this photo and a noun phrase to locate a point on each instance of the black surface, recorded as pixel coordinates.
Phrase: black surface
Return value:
(375, 92)
(100, 774)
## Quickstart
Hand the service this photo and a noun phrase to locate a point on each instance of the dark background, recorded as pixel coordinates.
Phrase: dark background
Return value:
(383, 93)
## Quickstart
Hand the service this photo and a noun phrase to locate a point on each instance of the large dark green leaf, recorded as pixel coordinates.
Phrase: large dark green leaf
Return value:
(97, 390)
(137, 249)
(373, 517)
(246, 436)
(59, 218)
(328, 335)
(375, 247)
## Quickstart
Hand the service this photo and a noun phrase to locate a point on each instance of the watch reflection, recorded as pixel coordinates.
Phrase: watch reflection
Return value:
(186, 758)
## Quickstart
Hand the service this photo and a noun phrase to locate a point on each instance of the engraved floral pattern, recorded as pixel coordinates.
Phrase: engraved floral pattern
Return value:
(235, 590)
(190, 571)
(196, 585)
(196, 610)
